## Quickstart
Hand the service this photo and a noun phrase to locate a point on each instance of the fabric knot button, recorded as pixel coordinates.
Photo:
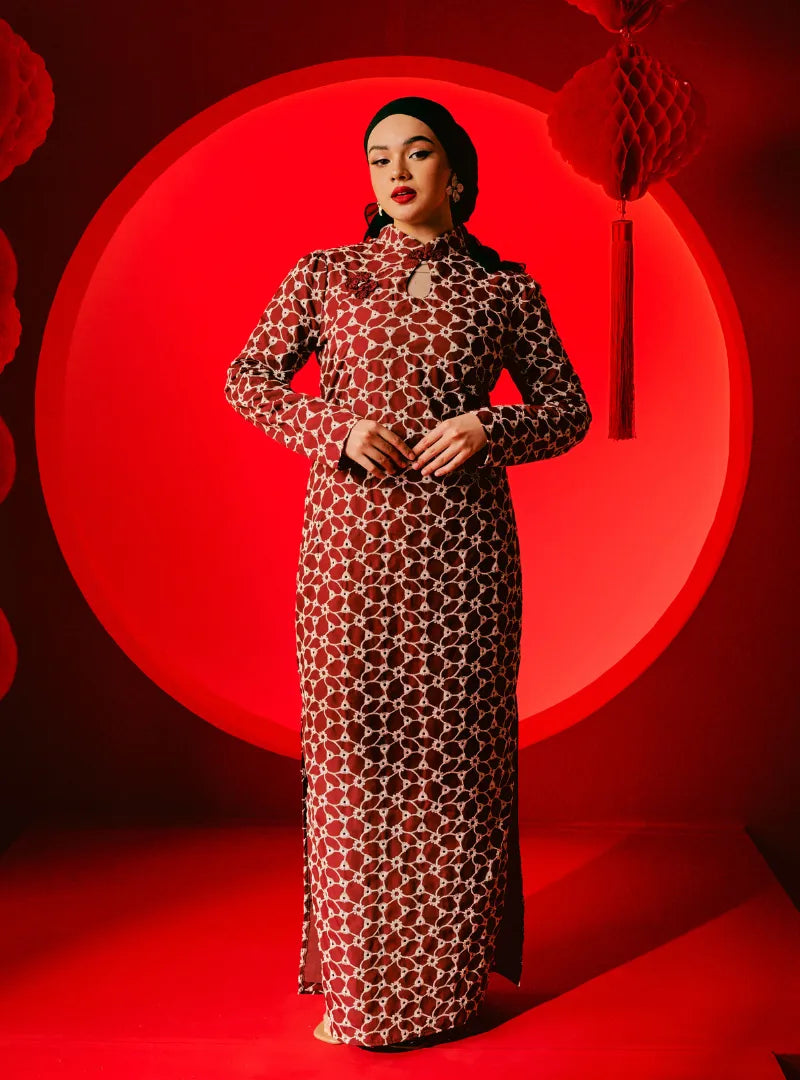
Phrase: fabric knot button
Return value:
(362, 284)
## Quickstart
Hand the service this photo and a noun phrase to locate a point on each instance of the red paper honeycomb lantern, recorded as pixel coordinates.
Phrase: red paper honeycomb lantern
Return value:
(625, 122)
(624, 14)
(26, 100)
(8, 460)
(10, 325)
(26, 111)
(8, 655)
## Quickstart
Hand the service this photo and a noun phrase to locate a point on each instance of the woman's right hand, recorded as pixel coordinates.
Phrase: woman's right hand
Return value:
(377, 449)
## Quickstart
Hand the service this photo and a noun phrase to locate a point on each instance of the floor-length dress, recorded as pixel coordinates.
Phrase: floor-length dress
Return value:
(408, 616)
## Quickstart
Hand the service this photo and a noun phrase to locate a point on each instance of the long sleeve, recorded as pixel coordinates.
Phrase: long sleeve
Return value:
(258, 380)
(554, 415)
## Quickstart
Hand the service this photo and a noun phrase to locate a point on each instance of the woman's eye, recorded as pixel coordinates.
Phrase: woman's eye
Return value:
(380, 161)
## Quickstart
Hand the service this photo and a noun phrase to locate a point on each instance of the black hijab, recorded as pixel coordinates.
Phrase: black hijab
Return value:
(463, 159)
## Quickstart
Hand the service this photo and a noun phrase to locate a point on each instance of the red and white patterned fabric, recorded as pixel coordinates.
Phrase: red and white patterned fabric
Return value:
(408, 618)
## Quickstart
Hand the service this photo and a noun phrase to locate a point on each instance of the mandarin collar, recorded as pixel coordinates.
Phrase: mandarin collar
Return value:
(391, 238)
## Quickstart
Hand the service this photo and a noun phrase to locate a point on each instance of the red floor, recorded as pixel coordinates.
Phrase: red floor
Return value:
(172, 953)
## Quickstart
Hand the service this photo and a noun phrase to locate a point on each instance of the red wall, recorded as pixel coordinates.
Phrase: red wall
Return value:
(708, 731)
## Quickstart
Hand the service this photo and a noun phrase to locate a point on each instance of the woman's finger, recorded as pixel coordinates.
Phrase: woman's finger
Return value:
(436, 442)
(393, 446)
(444, 462)
(380, 457)
(405, 451)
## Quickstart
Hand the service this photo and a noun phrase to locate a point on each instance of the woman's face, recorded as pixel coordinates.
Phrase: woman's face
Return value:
(404, 152)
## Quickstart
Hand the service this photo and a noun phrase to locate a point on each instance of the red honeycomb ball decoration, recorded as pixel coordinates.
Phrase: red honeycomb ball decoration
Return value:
(8, 655)
(26, 100)
(10, 324)
(632, 15)
(8, 460)
(26, 112)
(627, 121)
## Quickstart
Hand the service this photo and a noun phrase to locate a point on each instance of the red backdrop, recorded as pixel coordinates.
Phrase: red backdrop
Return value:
(181, 525)
(706, 731)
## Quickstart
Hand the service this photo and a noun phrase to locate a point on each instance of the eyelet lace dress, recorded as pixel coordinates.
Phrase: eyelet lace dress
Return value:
(408, 618)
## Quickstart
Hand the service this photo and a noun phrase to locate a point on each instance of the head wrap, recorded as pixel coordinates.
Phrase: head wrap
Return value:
(461, 153)
(463, 159)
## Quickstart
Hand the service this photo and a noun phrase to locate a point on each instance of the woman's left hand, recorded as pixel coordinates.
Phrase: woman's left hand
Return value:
(448, 445)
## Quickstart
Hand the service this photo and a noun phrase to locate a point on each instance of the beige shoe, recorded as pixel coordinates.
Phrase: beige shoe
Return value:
(323, 1032)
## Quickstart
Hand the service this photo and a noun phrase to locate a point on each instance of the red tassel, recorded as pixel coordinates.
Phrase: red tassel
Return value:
(620, 419)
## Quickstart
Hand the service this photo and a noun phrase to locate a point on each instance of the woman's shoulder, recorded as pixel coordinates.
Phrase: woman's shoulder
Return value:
(518, 281)
(342, 252)
(337, 253)
(513, 279)
(326, 261)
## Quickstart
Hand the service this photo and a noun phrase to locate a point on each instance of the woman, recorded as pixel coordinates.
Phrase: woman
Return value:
(409, 591)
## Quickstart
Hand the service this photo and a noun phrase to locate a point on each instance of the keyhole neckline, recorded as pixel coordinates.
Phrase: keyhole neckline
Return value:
(424, 273)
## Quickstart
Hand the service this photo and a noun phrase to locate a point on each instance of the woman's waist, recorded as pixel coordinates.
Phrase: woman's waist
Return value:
(409, 419)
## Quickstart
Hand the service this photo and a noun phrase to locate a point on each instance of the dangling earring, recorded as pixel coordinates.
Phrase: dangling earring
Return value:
(456, 187)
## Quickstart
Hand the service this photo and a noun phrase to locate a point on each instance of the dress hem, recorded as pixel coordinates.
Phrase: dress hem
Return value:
(426, 1033)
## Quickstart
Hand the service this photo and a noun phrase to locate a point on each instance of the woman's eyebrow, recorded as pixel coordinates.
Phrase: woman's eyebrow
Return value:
(413, 138)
